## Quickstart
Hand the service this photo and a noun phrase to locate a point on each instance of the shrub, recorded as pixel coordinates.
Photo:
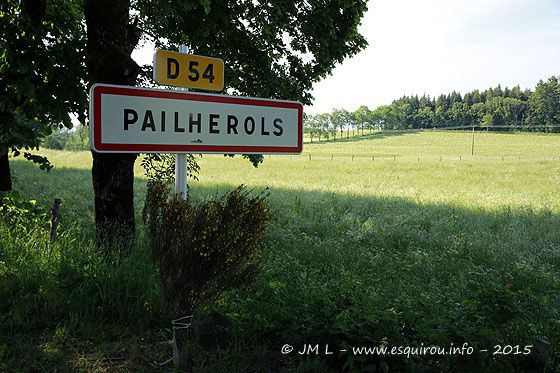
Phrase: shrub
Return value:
(15, 209)
(203, 250)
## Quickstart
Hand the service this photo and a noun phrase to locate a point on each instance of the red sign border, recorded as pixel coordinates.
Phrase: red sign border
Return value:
(97, 90)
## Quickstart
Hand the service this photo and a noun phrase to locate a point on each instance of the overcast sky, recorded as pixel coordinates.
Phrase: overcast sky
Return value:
(437, 46)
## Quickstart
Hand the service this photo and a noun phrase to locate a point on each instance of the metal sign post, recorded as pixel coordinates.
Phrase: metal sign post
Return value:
(181, 159)
(181, 174)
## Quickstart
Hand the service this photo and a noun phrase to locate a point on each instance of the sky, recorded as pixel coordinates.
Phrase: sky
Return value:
(438, 46)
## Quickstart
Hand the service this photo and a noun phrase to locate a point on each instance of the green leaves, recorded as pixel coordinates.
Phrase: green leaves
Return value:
(43, 74)
(17, 210)
(545, 103)
(270, 49)
(43, 162)
(206, 5)
(161, 167)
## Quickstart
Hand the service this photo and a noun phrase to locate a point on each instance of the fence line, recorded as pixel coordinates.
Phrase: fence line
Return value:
(495, 128)
(413, 158)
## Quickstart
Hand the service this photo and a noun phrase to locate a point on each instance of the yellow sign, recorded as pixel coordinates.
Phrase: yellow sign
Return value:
(188, 70)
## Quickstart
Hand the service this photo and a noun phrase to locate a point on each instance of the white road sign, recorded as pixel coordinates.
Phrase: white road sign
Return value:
(132, 120)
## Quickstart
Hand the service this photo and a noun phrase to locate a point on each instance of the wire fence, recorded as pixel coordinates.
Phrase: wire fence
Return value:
(502, 128)
(465, 157)
(417, 159)
(351, 135)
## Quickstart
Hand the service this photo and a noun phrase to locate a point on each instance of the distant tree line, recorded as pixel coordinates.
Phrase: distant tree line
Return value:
(75, 139)
(492, 107)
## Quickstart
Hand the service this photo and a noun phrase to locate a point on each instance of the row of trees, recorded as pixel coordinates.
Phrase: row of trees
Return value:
(494, 106)
(65, 139)
(339, 122)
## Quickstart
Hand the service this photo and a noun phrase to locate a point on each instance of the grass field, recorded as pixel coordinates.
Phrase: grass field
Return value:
(422, 167)
(422, 244)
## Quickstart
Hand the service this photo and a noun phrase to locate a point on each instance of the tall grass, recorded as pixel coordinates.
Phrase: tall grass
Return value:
(71, 283)
(398, 251)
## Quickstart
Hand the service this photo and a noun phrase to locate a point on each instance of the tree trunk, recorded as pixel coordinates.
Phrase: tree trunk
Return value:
(111, 40)
(5, 175)
(113, 182)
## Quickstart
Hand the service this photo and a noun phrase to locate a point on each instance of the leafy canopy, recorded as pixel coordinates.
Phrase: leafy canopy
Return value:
(42, 70)
(270, 48)
(275, 49)
(545, 103)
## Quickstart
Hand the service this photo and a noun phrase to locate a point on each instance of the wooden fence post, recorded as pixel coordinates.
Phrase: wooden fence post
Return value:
(55, 215)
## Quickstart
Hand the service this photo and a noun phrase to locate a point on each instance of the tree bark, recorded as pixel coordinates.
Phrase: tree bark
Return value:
(5, 175)
(113, 182)
(111, 40)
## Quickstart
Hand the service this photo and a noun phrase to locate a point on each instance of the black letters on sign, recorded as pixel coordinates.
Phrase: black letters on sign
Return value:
(177, 128)
(214, 123)
(172, 75)
(196, 122)
(249, 130)
(264, 132)
(231, 124)
(277, 124)
(148, 121)
(127, 119)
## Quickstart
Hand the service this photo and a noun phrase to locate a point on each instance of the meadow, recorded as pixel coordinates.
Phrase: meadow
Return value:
(397, 239)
